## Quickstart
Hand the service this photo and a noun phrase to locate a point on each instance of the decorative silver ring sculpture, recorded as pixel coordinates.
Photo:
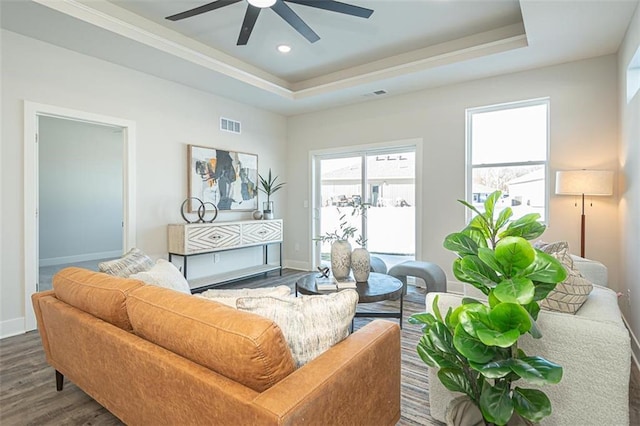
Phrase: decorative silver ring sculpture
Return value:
(202, 211)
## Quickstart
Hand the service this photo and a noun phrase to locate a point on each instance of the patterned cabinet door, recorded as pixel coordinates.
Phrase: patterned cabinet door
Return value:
(261, 232)
(203, 238)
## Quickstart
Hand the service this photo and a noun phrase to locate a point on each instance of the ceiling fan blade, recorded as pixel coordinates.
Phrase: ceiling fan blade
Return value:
(201, 9)
(294, 20)
(336, 6)
(250, 17)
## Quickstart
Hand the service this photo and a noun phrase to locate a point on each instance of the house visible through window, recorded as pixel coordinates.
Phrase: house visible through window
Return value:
(507, 150)
(385, 180)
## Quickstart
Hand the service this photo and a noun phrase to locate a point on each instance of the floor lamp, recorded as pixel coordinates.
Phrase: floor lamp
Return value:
(584, 182)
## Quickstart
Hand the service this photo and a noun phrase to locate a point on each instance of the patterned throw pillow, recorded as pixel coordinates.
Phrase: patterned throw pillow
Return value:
(310, 324)
(569, 295)
(558, 247)
(229, 297)
(164, 274)
(132, 262)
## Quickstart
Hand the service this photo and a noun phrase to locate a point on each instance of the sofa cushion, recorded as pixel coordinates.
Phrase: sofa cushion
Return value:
(569, 295)
(230, 296)
(164, 274)
(132, 262)
(311, 324)
(246, 348)
(101, 295)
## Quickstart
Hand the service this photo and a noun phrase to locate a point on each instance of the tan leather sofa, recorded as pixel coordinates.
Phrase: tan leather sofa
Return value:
(155, 356)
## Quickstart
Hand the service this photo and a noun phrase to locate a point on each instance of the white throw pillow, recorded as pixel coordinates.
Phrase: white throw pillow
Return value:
(310, 324)
(230, 296)
(164, 274)
(132, 262)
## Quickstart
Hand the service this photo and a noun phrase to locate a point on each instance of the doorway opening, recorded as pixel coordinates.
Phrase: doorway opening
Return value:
(80, 188)
(67, 133)
(382, 179)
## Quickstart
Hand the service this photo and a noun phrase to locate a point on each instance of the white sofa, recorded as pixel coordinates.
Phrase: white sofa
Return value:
(592, 346)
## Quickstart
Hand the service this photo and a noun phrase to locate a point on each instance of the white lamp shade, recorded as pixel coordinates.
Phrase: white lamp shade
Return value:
(262, 3)
(587, 182)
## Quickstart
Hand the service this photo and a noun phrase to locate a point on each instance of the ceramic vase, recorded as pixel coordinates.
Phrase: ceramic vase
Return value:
(340, 259)
(360, 264)
(267, 210)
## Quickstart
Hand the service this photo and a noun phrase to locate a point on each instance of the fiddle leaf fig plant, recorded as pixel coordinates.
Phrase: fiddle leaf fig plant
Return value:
(475, 346)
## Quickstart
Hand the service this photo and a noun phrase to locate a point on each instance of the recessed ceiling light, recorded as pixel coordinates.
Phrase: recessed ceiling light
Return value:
(284, 48)
(262, 3)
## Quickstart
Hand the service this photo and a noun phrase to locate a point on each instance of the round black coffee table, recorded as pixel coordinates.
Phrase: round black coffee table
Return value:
(378, 288)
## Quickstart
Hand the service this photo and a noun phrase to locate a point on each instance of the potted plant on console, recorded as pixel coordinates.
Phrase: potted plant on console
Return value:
(475, 345)
(269, 187)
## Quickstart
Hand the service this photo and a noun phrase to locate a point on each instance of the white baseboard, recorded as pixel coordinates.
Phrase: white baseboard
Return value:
(635, 345)
(53, 261)
(297, 265)
(11, 327)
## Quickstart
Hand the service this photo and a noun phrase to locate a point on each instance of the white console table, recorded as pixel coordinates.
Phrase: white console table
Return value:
(202, 238)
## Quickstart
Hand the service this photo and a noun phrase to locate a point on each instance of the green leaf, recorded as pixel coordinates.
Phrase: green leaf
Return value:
(546, 268)
(460, 243)
(509, 316)
(504, 217)
(531, 404)
(492, 337)
(480, 225)
(476, 235)
(493, 369)
(436, 309)
(422, 318)
(515, 290)
(426, 356)
(493, 301)
(472, 348)
(455, 380)
(461, 275)
(471, 207)
(533, 309)
(490, 204)
(473, 317)
(514, 252)
(433, 357)
(542, 290)
(537, 370)
(488, 256)
(478, 271)
(526, 227)
(441, 337)
(496, 404)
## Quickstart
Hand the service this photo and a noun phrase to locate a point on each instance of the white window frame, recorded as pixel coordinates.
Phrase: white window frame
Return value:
(315, 157)
(470, 166)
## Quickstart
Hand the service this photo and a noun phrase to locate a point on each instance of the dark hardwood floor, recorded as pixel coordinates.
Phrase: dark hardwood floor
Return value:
(28, 393)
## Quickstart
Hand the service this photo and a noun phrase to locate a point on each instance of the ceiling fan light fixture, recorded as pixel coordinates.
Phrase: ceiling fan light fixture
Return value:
(262, 3)
(284, 48)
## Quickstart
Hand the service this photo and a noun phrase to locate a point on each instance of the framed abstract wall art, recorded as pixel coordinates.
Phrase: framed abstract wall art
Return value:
(227, 179)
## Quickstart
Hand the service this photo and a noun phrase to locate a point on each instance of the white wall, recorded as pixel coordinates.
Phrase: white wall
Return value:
(630, 183)
(80, 191)
(168, 116)
(584, 134)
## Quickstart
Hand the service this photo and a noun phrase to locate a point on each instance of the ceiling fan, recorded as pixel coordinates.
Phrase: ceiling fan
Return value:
(282, 9)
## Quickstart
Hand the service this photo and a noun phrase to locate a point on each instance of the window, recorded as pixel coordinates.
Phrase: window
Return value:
(382, 178)
(507, 150)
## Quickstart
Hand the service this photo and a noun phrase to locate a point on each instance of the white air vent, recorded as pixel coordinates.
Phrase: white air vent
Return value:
(228, 125)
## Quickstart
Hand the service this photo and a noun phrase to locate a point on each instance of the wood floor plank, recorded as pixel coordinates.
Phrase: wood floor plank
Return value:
(28, 393)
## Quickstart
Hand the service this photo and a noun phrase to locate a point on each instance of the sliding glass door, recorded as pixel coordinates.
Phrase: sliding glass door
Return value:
(383, 181)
